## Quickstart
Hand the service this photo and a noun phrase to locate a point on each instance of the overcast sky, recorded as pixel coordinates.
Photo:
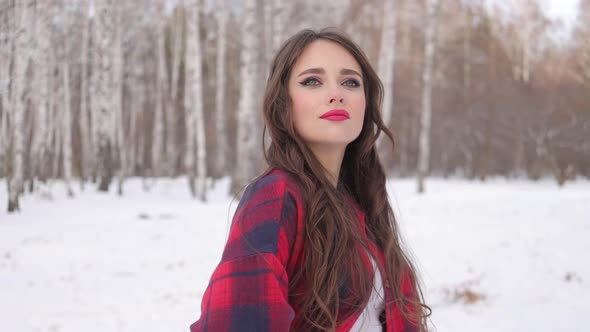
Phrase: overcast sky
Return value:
(565, 10)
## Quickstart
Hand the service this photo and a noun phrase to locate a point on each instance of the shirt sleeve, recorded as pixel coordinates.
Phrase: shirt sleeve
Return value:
(248, 290)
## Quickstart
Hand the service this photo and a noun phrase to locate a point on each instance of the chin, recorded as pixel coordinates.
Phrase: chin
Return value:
(340, 141)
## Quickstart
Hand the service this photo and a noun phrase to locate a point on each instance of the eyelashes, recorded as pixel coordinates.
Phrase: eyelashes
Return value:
(312, 81)
(352, 83)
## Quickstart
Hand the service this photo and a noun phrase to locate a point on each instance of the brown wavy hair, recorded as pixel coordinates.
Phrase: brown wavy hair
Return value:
(332, 230)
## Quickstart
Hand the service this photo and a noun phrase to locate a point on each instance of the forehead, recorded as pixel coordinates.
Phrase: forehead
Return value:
(325, 54)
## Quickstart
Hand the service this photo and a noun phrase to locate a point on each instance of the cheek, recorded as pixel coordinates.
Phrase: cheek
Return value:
(301, 108)
(301, 100)
(360, 102)
(359, 105)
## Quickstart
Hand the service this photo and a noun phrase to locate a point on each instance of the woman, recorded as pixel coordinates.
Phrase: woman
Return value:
(314, 243)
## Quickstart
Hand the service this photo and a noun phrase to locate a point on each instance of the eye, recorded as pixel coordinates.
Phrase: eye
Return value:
(352, 83)
(310, 81)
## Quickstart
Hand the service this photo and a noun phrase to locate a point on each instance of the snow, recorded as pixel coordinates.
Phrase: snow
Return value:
(140, 262)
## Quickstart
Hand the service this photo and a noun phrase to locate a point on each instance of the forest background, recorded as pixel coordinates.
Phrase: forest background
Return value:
(101, 91)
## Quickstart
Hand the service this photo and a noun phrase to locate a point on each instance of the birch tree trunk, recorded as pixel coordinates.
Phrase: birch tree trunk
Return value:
(222, 146)
(85, 132)
(5, 59)
(3, 136)
(584, 64)
(582, 35)
(103, 91)
(134, 139)
(522, 74)
(122, 145)
(386, 70)
(171, 116)
(267, 7)
(93, 99)
(246, 113)
(465, 144)
(193, 97)
(161, 89)
(66, 129)
(531, 24)
(53, 136)
(426, 116)
(404, 54)
(387, 59)
(57, 138)
(279, 18)
(42, 75)
(21, 57)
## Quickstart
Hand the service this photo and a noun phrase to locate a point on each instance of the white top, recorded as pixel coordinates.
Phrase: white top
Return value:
(368, 321)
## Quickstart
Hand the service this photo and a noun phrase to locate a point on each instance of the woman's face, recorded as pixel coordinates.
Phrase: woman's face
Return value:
(328, 99)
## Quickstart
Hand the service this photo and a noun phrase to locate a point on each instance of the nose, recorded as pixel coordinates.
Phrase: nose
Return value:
(335, 95)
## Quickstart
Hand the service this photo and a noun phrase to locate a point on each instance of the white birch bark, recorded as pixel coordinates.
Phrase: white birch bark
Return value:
(93, 98)
(195, 124)
(404, 52)
(278, 25)
(103, 90)
(66, 130)
(386, 67)
(528, 28)
(387, 59)
(161, 89)
(190, 154)
(42, 74)
(465, 142)
(267, 7)
(3, 137)
(57, 138)
(134, 139)
(246, 142)
(530, 24)
(582, 39)
(220, 90)
(117, 99)
(5, 58)
(22, 54)
(86, 155)
(53, 138)
(426, 115)
(171, 118)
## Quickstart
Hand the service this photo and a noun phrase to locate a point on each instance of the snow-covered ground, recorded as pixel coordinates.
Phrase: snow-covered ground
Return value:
(495, 256)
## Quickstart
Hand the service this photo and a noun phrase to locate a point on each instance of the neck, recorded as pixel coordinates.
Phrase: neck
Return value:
(330, 157)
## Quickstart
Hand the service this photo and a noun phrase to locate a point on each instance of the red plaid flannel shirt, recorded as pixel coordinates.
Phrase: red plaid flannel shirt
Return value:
(248, 290)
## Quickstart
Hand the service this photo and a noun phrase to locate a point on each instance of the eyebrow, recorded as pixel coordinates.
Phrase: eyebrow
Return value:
(344, 71)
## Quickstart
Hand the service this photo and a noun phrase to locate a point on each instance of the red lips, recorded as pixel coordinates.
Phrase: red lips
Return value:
(336, 115)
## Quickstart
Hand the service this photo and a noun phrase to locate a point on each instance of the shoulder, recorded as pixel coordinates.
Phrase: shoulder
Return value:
(267, 218)
(273, 182)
